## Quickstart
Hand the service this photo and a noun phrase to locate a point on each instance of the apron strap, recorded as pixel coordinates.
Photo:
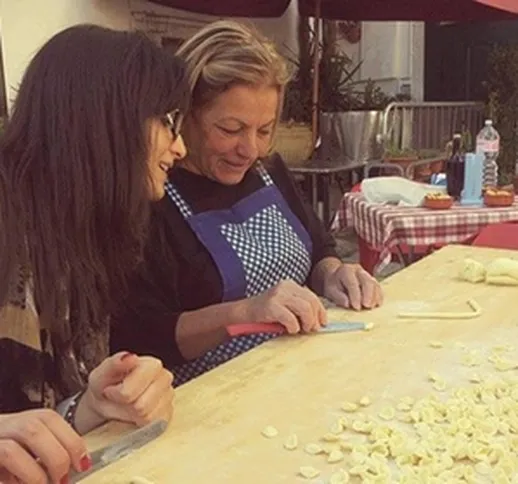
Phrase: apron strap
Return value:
(184, 207)
(175, 196)
(263, 173)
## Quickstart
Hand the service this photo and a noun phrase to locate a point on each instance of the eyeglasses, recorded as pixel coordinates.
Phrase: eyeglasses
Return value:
(173, 120)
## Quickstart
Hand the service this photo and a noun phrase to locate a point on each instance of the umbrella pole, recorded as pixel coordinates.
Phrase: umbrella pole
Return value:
(316, 74)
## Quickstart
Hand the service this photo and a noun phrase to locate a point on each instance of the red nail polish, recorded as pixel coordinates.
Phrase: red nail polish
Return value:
(64, 480)
(85, 463)
(126, 355)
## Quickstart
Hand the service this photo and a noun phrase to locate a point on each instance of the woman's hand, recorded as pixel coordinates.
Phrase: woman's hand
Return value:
(130, 388)
(36, 444)
(349, 285)
(295, 307)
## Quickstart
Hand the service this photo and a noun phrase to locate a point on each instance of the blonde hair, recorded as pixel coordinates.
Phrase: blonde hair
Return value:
(225, 53)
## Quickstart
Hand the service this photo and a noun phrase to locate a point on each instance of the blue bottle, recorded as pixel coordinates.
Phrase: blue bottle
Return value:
(473, 179)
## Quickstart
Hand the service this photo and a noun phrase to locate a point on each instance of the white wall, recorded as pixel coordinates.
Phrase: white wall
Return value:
(27, 24)
(392, 54)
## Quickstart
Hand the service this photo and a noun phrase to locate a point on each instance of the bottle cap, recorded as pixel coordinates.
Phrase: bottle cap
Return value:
(488, 122)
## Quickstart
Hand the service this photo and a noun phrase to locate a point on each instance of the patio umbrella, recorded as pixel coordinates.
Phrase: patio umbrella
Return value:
(426, 10)
(230, 8)
(429, 10)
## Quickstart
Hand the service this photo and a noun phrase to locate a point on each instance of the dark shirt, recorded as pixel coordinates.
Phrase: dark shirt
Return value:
(178, 273)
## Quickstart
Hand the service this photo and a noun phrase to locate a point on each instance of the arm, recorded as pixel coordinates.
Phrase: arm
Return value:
(321, 271)
(79, 414)
(344, 284)
(152, 322)
(193, 333)
(202, 330)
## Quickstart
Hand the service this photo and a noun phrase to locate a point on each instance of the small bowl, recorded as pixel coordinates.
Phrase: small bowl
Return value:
(498, 198)
(442, 203)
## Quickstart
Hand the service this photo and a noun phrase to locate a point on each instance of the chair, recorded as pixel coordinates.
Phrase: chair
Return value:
(498, 236)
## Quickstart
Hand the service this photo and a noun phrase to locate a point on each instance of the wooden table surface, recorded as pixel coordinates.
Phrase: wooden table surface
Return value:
(298, 383)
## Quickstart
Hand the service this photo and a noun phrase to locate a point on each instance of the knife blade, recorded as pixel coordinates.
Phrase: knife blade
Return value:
(331, 327)
(123, 447)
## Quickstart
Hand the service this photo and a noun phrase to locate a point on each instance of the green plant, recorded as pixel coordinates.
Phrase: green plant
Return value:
(336, 71)
(425, 154)
(393, 151)
(337, 89)
(502, 103)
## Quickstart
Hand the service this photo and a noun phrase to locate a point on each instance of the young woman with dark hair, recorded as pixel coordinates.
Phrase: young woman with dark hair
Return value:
(94, 130)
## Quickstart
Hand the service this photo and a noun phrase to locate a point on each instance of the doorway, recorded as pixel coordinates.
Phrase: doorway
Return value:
(456, 56)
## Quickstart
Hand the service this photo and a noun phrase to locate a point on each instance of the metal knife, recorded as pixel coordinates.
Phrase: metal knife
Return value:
(123, 447)
(253, 328)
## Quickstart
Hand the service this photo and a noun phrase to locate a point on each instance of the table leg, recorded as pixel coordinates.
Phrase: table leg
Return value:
(314, 192)
(369, 257)
(326, 200)
(343, 185)
(401, 256)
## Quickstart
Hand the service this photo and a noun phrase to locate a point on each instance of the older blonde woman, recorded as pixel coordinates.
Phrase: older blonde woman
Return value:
(233, 241)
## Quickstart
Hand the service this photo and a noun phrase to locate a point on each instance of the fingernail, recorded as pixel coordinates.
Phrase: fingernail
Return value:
(126, 355)
(85, 463)
(65, 480)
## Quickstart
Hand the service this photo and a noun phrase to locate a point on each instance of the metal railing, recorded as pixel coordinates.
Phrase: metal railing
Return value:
(428, 125)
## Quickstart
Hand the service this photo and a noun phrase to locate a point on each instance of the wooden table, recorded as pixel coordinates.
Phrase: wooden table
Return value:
(298, 383)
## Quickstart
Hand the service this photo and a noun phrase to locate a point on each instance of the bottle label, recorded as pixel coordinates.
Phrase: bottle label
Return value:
(485, 146)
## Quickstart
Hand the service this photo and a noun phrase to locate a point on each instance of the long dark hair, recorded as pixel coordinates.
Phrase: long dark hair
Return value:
(73, 171)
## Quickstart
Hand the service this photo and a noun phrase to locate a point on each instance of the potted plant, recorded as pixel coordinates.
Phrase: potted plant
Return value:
(336, 70)
(402, 157)
(294, 137)
(351, 111)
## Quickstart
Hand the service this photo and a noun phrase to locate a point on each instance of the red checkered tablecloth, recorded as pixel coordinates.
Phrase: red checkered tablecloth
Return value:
(384, 227)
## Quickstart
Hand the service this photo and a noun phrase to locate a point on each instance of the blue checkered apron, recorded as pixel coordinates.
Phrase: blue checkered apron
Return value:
(255, 244)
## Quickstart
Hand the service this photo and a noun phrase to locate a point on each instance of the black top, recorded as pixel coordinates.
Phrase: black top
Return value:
(179, 274)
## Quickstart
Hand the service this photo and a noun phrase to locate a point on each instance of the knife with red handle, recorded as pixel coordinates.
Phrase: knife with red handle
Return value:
(253, 328)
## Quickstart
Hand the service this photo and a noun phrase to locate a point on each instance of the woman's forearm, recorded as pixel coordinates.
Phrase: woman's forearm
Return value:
(202, 330)
(322, 269)
(85, 417)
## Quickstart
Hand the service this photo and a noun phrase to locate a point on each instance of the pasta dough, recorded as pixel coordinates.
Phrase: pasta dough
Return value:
(308, 472)
(270, 432)
(335, 456)
(502, 281)
(503, 267)
(313, 449)
(501, 272)
(472, 271)
(291, 443)
(339, 477)
(475, 313)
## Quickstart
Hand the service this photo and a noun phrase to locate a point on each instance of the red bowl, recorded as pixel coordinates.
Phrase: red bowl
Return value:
(438, 203)
(499, 200)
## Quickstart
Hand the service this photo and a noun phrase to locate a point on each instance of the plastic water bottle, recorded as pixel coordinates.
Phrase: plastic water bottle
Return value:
(488, 144)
